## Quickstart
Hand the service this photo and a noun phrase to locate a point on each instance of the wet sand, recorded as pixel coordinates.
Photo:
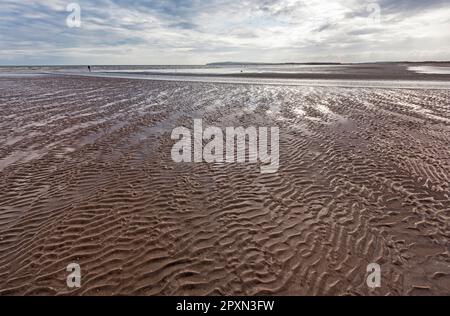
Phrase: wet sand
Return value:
(86, 176)
(389, 72)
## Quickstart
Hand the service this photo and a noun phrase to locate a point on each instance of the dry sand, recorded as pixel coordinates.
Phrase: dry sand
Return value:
(86, 176)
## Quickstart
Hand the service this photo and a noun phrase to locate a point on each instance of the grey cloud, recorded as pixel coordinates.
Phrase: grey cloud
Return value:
(184, 25)
(181, 30)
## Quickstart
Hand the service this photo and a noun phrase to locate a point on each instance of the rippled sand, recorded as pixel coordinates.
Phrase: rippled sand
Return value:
(86, 176)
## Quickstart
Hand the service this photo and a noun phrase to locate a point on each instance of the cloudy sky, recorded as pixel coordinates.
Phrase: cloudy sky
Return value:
(202, 31)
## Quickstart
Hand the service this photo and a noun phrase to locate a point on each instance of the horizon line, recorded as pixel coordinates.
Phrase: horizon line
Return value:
(231, 63)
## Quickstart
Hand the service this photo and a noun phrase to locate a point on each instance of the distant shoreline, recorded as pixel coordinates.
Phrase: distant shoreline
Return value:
(237, 64)
(270, 64)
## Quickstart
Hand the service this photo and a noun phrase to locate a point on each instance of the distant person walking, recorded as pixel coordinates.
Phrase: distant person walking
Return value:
(89, 67)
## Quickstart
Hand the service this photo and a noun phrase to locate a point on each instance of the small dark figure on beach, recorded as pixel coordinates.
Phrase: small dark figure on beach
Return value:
(89, 67)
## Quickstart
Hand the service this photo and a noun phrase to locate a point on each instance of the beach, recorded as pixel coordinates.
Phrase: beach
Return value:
(87, 177)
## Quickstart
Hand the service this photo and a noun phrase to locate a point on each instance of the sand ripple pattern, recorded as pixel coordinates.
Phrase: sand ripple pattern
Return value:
(86, 176)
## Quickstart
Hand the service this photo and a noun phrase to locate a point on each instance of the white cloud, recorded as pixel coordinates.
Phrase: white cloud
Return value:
(172, 31)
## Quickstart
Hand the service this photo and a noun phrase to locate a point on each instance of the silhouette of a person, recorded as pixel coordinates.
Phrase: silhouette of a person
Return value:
(89, 67)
